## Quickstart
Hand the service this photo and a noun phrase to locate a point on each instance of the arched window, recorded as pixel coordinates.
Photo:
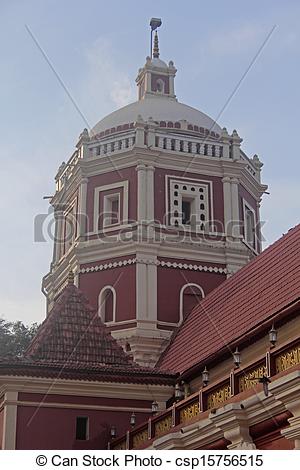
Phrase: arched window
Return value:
(190, 296)
(160, 86)
(107, 304)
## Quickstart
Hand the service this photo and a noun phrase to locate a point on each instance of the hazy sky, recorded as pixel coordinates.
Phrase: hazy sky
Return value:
(96, 48)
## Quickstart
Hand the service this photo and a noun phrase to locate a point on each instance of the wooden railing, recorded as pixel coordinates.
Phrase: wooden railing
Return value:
(211, 397)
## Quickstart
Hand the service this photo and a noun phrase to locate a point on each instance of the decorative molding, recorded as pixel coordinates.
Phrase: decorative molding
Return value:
(86, 388)
(193, 267)
(205, 185)
(120, 185)
(76, 406)
(105, 266)
(166, 264)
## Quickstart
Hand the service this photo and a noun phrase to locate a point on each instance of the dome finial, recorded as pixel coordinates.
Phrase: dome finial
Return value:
(156, 46)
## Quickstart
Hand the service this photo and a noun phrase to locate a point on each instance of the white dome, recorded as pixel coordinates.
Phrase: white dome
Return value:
(160, 109)
(156, 62)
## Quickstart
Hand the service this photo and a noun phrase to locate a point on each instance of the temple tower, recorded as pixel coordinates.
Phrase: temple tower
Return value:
(154, 209)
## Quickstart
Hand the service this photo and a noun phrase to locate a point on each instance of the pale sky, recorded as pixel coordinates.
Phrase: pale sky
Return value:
(96, 48)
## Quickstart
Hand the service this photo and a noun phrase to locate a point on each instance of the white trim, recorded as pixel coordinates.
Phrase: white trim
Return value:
(246, 205)
(190, 284)
(9, 421)
(72, 208)
(107, 187)
(227, 205)
(115, 264)
(123, 322)
(101, 303)
(78, 406)
(82, 199)
(107, 203)
(76, 387)
(207, 185)
(167, 264)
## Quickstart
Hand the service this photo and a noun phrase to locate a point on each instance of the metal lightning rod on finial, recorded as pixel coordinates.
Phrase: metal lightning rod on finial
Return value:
(154, 24)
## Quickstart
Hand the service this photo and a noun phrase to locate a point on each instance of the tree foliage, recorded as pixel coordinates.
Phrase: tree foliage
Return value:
(15, 337)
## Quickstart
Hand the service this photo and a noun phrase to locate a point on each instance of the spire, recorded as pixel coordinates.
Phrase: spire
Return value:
(155, 46)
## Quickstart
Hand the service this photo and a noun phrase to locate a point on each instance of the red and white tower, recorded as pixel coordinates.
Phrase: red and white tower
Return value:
(154, 209)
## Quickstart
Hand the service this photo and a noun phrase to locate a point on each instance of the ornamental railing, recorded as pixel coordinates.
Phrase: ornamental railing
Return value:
(126, 140)
(111, 145)
(215, 395)
(66, 170)
(196, 146)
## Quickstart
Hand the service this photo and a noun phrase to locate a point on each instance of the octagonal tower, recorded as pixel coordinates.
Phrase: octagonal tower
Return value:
(154, 209)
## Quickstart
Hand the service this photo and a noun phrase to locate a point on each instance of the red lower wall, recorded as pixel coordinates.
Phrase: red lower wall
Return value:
(267, 434)
(47, 427)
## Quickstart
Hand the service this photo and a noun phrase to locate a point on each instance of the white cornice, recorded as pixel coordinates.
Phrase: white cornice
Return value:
(224, 253)
(134, 391)
(183, 162)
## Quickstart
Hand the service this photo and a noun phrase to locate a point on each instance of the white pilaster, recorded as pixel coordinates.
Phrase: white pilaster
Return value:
(235, 145)
(141, 193)
(233, 421)
(150, 201)
(171, 85)
(146, 290)
(58, 233)
(82, 214)
(151, 133)
(148, 81)
(141, 291)
(225, 142)
(139, 132)
(10, 421)
(235, 207)
(227, 205)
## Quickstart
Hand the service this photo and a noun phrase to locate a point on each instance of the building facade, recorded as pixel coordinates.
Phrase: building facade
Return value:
(166, 326)
(156, 207)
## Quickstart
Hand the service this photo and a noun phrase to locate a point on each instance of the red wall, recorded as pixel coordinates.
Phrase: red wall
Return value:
(110, 178)
(273, 441)
(267, 434)
(121, 278)
(170, 281)
(54, 428)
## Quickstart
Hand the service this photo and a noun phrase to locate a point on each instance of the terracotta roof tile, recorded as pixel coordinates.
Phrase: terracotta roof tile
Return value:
(256, 292)
(73, 343)
(25, 367)
(73, 332)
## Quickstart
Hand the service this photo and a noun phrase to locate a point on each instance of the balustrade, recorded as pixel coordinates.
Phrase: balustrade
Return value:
(213, 396)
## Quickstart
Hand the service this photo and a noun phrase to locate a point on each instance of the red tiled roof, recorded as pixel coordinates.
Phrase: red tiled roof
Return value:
(22, 367)
(73, 343)
(73, 332)
(258, 291)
